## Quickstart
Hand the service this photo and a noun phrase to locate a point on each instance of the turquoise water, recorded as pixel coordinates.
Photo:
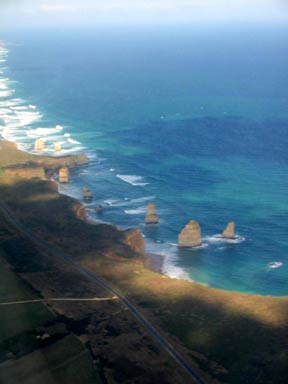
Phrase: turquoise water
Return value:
(195, 120)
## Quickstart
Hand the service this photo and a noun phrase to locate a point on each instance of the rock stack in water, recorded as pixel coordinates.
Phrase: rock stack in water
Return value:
(87, 194)
(57, 147)
(39, 145)
(151, 216)
(64, 175)
(190, 236)
(229, 232)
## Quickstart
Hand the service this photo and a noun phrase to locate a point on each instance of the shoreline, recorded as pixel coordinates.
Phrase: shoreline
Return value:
(190, 316)
(152, 260)
(49, 243)
(180, 272)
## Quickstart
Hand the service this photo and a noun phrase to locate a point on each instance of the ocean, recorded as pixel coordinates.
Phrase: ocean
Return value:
(192, 118)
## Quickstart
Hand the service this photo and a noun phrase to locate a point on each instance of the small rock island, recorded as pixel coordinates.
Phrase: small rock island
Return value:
(39, 145)
(190, 236)
(64, 175)
(229, 232)
(86, 193)
(151, 216)
(57, 147)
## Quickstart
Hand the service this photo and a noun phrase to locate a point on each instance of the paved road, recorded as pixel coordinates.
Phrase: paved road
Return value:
(101, 282)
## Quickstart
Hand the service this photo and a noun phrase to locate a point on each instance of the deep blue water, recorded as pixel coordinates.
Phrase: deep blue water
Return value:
(194, 119)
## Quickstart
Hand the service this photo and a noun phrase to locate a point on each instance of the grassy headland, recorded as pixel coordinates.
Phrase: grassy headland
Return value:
(228, 336)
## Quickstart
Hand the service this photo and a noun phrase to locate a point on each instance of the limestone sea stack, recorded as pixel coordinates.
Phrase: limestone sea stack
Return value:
(64, 175)
(57, 147)
(190, 236)
(151, 216)
(39, 145)
(229, 232)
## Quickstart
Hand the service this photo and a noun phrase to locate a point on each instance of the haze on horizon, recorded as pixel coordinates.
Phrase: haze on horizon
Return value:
(53, 13)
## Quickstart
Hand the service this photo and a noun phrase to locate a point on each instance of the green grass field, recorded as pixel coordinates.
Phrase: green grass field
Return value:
(23, 359)
(65, 362)
(15, 319)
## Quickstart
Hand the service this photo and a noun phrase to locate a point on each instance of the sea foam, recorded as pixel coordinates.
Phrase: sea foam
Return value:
(136, 211)
(219, 239)
(71, 141)
(275, 264)
(132, 180)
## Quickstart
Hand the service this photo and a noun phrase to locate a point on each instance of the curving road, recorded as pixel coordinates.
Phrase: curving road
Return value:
(102, 283)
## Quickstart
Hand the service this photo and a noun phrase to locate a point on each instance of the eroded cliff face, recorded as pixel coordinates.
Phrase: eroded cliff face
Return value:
(10, 155)
(134, 239)
(26, 172)
(79, 210)
(54, 163)
(190, 236)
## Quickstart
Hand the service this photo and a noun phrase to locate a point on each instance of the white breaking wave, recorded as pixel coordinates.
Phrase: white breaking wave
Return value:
(71, 141)
(275, 264)
(136, 211)
(142, 199)
(176, 272)
(11, 102)
(220, 239)
(18, 118)
(44, 131)
(21, 108)
(6, 93)
(110, 202)
(132, 179)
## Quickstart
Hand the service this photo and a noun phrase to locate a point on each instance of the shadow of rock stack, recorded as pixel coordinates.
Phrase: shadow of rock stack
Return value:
(229, 232)
(64, 175)
(39, 145)
(151, 216)
(190, 236)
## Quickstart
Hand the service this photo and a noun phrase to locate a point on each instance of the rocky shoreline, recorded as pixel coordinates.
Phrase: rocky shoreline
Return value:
(17, 163)
(31, 166)
(210, 327)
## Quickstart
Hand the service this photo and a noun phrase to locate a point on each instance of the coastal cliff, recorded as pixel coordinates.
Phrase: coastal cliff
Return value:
(229, 337)
(134, 239)
(79, 210)
(11, 156)
(27, 172)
